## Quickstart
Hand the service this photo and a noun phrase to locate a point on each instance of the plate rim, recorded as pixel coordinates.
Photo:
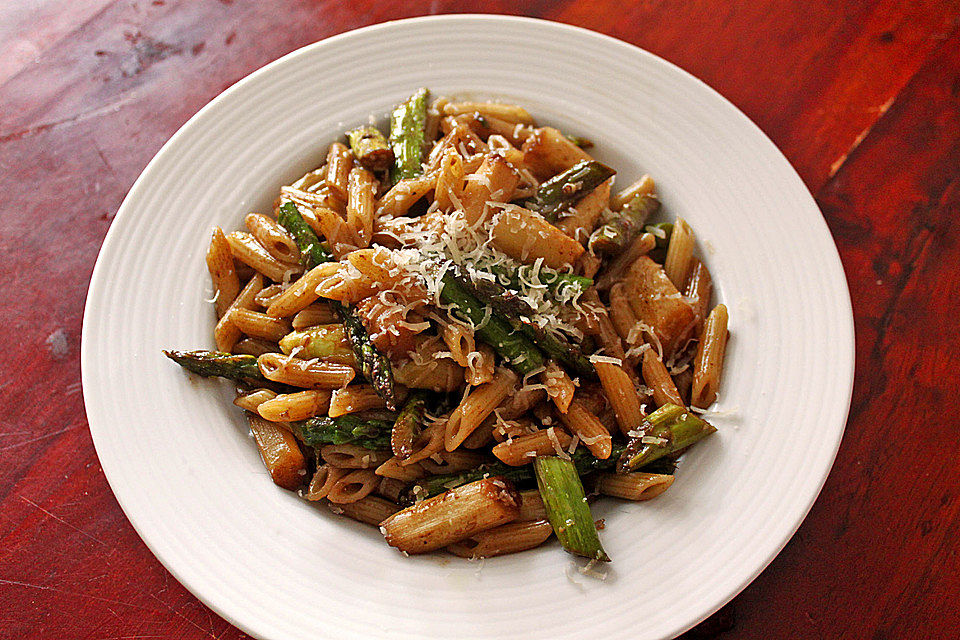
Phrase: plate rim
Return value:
(99, 280)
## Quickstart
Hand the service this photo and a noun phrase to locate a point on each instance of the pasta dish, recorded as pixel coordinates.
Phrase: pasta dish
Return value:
(461, 333)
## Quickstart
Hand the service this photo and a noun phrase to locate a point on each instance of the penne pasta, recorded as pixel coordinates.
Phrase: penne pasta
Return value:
(476, 406)
(312, 315)
(531, 506)
(508, 538)
(226, 334)
(304, 373)
(403, 195)
(273, 238)
(619, 390)
(290, 407)
(547, 152)
(528, 237)
(354, 486)
(251, 400)
(617, 270)
(481, 366)
(581, 219)
(223, 273)
(361, 190)
(679, 254)
(494, 181)
(708, 364)
(659, 306)
(369, 510)
(591, 431)
(247, 250)
(339, 164)
(279, 451)
(633, 486)
(511, 113)
(643, 186)
(657, 377)
(523, 449)
(450, 178)
(340, 236)
(357, 397)
(351, 456)
(560, 387)
(393, 468)
(301, 293)
(258, 325)
(698, 291)
(254, 346)
(323, 480)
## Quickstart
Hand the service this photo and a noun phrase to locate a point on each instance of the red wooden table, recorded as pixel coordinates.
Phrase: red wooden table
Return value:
(863, 98)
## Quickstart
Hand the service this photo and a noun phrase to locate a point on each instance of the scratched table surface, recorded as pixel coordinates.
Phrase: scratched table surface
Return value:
(862, 97)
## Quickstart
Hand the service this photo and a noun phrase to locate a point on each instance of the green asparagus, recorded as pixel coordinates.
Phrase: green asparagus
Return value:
(667, 430)
(515, 348)
(374, 366)
(567, 188)
(518, 314)
(661, 232)
(312, 251)
(348, 429)
(627, 224)
(408, 425)
(242, 368)
(370, 148)
(580, 141)
(327, 341)
(407, 136)
(567, 508)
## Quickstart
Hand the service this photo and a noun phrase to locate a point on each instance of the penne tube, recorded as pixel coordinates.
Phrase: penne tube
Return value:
(476, 406)
(708, 363)
(356, 485)
(531, 506)
(511, 113)
(453, 516)
(622, 317)
(452, 462)
(391, 489)
(357, 397)
(247, 250)
(323, 480)
(314, 314)
(580, 221)
(361, 190)
(593, 434)
(393, 468)
(619, 390)
(268, 294)
(656, 376)
(435, 374)
(290, 407)
(226, 333)
(251, 400)
(351, 456)
(601, 325)
(254, 347)
(658, 304)
(481, 366)
(617, 270)
(369, 510)
(223, 272)
(522, 450)
(340, 236)
(301, 293)
(339, 164)
(279, 451)
(547, 152)
(303, 373)
(273, 238)
(698, 291)
(643, 186)
(403, 195)
(633, 486)
(449, 187)
(459, 340)
(560, 387)
(494, 181)
(505, 539)
(481, 436)
(258, 325)
(528, 237)
(679, 254)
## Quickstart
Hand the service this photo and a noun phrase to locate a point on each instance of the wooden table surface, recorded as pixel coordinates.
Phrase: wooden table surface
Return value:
(862, 97)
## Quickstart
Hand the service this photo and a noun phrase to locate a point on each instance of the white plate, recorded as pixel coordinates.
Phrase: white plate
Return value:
(177, 454)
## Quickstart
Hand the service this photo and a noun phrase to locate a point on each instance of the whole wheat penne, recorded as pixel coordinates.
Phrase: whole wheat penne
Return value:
(391, 489)
(356, 485)
(403, 195)
(600, 324)
(521, 402)
(314, 314)
(354, 398)
(617, 270)
(547, 152)
(434, 113)
(657, 377)
(531, 506)
(449, 187)
(588, 265)
(289, 407)
(453, 516)
(251, 400)
(369, 510)
(633, 486)
(435, 374)
(477, 405)
(679, 254)
(404, 473)
(377, 264)
(505, 430)
(254, 346)
(698, 291)
(323, 480)
(307, 200)
(268, 294)
(223, 272)
(452, 462)
(592, 433)
(481, 436)
(527, 237)
(351, 456)
(622, 317)
(459, 340)
(346, 285)
(279, 451)
(643, 185)
(273, 237)
(508, 538)
(304, 373)
(361, 190)
(708, 364)
(247, 250)
(582, 218)
(494, 181)
(514, 133)
(430, 443)
(339, 164)
(508, 112)
(259, 325)
(226, 333)
(341, 237)
(311, 180)
(619, 389)
(560, 387)
(301, 293)
(522, 450)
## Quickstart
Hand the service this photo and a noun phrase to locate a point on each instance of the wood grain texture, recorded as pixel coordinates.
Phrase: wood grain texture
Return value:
(862, 97)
